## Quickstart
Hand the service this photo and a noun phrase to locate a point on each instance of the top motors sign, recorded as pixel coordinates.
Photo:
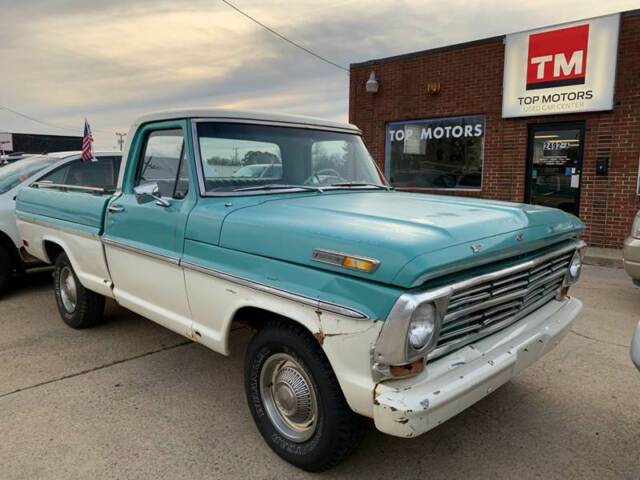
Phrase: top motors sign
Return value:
(558, 58)
(564, 69)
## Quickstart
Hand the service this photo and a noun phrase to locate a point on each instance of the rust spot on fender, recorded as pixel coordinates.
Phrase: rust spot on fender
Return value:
(319, 336)
(375, 394)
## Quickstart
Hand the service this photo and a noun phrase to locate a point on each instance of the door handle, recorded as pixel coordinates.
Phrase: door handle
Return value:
(115, 209)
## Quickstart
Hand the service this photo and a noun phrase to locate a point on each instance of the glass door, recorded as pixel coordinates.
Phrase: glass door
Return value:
(554, 166)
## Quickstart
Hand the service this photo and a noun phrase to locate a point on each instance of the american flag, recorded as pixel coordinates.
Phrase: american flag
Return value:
(87, 143)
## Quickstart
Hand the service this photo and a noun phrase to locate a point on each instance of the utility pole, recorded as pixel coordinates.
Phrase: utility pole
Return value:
(121, 136)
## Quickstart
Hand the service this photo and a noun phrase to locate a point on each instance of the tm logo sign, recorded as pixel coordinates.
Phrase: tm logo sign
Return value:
(557, 58)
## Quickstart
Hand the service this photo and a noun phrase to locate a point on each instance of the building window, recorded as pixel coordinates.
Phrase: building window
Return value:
(435, 153)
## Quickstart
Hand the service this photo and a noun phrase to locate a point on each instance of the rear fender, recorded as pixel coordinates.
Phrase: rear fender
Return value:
(85, 252)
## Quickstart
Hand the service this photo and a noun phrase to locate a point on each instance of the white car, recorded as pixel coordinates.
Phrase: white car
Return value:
(54, 168)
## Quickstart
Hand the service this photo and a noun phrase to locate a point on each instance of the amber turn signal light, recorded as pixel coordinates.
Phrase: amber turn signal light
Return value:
(358, 264)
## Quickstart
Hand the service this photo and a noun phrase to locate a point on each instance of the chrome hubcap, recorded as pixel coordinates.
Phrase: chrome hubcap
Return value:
(68, 289)
(289, 397)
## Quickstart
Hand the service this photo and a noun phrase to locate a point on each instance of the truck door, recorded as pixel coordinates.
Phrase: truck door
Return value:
(144, 227)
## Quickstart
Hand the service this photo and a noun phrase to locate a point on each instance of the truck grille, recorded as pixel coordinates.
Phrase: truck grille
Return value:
(483, 305)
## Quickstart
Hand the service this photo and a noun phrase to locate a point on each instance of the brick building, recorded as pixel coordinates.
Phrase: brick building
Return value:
(472, 119)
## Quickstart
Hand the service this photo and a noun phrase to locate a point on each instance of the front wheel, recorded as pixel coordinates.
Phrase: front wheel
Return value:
(78, 307)
(296, 401)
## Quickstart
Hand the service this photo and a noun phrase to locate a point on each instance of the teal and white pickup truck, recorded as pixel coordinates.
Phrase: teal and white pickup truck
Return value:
(366, 302)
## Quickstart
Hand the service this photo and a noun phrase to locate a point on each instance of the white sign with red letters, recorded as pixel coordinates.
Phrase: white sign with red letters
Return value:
(6, 142)
(561, 69)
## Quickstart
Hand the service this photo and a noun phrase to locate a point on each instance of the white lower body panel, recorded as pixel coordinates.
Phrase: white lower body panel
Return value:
(84, 251)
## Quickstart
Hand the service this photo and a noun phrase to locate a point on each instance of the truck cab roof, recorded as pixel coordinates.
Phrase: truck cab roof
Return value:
(250, 115)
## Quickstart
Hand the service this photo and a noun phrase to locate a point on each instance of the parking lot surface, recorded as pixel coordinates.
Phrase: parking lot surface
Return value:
(131, 400)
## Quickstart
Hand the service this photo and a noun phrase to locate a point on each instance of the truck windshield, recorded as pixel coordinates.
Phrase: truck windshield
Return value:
(15, 173)
(243, 158)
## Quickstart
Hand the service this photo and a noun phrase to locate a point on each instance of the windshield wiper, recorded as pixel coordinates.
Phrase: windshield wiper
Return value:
(278, 186)
(360, 184)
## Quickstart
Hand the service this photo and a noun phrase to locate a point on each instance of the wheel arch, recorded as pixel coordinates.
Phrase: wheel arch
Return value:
(53, 247)
(7, 243)
(52, 250)
(256, 317)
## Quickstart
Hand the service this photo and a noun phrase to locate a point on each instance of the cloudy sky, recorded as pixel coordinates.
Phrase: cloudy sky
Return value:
(111, 61)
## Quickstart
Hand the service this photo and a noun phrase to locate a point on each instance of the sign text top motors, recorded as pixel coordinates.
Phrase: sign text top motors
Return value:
(563, 69)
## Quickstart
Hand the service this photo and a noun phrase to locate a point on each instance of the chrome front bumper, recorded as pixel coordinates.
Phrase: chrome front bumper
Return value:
(635, 347)
(449, 385)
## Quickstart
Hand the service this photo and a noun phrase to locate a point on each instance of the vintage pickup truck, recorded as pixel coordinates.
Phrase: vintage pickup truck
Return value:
(366, 302)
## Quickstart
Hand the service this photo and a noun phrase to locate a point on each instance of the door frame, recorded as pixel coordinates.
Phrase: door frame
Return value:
(531, 129)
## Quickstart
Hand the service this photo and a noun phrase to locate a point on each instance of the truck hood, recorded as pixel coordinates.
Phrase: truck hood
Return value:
(414, 236)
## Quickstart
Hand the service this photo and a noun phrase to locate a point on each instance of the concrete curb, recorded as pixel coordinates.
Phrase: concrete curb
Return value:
(604, 257)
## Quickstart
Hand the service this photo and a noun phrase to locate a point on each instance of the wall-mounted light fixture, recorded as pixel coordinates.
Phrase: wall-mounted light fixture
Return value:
(433, 88)
(372, 84)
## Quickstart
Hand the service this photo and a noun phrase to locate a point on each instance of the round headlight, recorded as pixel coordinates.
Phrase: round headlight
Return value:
(423, 325)
(575, 266)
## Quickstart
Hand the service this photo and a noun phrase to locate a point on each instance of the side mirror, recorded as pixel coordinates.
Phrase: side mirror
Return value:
(149, 192)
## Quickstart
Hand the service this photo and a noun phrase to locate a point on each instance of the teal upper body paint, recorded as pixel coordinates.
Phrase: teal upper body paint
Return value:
(270, 238)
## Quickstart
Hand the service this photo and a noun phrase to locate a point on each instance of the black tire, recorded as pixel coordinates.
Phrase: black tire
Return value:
(6, 268)
(338, 430)
(88, 309)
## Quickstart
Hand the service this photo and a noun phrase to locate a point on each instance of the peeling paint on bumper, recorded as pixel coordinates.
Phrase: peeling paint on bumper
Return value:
(449, 385)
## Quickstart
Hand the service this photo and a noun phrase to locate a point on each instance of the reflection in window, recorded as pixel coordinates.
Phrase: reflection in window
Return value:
(436, 153)
(162, 160)
(238, 158)
(235, 157)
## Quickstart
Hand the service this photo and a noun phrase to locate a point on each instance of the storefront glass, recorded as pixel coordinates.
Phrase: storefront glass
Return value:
(435, 153)
(555, 165)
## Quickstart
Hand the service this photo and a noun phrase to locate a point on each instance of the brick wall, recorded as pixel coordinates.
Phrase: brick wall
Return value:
(470, 76)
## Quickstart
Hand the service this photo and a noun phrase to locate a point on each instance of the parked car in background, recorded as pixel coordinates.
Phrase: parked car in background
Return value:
(366, 302)
(635, 347)
(631, 252)
(55, 168)
(267, 170)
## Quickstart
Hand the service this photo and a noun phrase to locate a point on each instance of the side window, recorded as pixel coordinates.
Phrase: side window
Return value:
(102, 173)
(164, 162)
(56, 176)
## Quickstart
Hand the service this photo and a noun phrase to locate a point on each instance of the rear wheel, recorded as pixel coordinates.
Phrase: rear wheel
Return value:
(296, 401)
(78, 307)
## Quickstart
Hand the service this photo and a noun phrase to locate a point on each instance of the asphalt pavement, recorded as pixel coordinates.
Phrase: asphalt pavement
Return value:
(132, 400)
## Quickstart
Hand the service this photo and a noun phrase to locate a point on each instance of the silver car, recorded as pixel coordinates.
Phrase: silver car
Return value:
(631, 252)
(635, 347)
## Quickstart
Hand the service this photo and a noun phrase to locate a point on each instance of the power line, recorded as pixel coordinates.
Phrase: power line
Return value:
(282, 37)
(43, 122)
(28, 117)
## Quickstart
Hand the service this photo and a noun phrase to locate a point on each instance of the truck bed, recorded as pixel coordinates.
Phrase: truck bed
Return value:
(55, 219)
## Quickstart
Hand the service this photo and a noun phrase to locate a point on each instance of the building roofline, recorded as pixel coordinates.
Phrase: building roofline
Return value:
(11, 132)
(472, 43)
(429, 51)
